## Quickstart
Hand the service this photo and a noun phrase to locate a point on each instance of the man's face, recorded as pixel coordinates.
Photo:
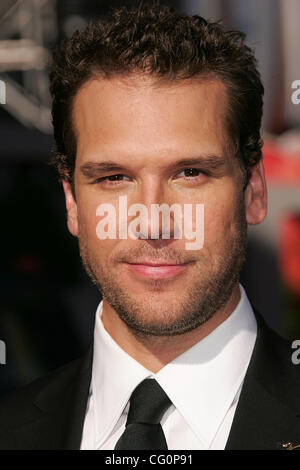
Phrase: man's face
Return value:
(147, 132)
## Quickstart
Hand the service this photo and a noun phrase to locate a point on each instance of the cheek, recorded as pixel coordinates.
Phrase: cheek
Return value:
(216, 228)
(88, 221)
(220, 219)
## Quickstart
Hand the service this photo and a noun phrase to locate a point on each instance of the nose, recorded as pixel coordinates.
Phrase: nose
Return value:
(159, 216)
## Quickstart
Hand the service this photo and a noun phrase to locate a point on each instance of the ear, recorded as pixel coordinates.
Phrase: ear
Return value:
(256, 199)
(71, 207)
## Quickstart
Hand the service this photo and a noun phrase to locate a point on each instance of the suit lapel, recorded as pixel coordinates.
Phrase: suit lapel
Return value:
(81, 395)
(58, 410)
(261, 421)
(267, 414)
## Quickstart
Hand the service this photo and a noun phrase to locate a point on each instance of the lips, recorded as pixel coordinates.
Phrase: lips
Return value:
(156, 269)
(157, 263)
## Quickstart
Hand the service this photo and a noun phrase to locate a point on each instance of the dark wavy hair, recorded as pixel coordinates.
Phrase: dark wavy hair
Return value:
(159, 41)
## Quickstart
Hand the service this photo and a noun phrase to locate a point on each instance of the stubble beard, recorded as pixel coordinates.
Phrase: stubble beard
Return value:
(210, 286)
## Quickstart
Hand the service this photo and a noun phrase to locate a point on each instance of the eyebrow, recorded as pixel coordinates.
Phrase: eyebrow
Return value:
(91, 169)
(207, 162)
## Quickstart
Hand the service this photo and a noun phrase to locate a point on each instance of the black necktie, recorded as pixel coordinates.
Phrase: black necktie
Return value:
(143, 431)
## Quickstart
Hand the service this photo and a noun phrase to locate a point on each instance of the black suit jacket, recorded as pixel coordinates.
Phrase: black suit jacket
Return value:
(50, 412)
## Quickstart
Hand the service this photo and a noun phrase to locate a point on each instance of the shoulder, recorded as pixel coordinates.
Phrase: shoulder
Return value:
(271, 346)
(48, 411)
(273, 366)
(21, 405)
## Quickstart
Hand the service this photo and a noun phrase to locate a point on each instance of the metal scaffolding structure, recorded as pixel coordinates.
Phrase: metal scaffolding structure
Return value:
(27, 27)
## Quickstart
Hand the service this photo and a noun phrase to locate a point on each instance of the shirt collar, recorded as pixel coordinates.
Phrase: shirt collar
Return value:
(212, 371)
(202, 382)
(115, 375)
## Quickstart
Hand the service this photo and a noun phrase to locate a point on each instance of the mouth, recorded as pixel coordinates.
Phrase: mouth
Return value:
(157, 269)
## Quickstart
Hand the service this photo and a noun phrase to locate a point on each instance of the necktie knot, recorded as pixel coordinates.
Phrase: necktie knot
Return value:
(148, 403)
(143, 431)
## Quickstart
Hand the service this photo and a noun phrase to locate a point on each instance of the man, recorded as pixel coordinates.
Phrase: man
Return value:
(154, 107)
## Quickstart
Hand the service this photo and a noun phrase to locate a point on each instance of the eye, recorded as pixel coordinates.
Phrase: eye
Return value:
(111, 180)
(114, 177)
(191, 173)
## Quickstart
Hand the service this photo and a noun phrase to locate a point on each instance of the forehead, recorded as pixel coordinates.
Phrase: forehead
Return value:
(145, 118)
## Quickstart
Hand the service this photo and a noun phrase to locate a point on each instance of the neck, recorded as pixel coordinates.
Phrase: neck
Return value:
(154, 352)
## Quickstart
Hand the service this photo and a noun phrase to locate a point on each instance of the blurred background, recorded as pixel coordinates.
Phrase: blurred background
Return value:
(47, 302)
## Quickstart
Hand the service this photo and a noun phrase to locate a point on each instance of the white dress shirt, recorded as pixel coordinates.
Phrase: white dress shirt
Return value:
(203, 383)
